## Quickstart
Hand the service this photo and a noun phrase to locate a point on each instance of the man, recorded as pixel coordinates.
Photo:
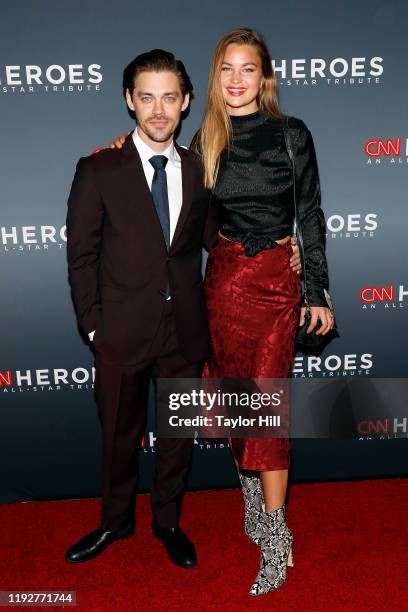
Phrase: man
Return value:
(134, 254)
(137, 220)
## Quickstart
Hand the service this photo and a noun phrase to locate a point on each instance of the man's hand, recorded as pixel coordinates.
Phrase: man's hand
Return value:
(318, 312)
(295, 262)
(118, 143)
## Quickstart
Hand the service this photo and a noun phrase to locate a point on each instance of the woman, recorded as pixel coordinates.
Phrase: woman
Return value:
(253, 296)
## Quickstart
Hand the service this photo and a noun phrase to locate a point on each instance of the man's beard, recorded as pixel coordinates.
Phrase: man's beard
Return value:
(158, 134)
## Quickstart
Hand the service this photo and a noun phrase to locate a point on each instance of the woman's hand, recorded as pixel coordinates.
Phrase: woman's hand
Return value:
(295, 262)
(318, 312)
(118, 143)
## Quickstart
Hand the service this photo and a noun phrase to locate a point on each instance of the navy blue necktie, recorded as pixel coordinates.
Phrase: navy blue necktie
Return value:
(160, 194)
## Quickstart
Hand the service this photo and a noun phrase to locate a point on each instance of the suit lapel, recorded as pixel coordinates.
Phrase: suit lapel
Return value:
(133, 177)
(187, 177)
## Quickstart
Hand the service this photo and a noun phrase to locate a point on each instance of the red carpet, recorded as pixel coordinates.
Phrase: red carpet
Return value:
(351, 542)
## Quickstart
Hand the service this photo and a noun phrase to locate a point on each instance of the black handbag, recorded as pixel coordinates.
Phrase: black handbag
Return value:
(305, 340)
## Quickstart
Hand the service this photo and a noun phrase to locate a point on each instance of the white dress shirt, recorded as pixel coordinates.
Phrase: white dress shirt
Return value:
(173, 172)
(174, 180)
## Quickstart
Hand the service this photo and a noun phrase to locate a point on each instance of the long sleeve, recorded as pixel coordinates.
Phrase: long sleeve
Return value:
(84, 239)
(311, 219)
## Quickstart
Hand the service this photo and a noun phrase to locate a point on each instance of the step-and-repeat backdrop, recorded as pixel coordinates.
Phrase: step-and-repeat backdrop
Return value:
(341, 67)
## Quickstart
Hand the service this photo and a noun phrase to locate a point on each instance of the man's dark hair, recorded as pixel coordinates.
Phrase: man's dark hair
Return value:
(156, 60)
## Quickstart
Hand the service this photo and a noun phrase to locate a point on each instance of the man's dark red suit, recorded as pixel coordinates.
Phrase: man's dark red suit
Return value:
(119, 267)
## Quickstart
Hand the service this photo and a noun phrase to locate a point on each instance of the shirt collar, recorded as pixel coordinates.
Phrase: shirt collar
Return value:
(146, 152)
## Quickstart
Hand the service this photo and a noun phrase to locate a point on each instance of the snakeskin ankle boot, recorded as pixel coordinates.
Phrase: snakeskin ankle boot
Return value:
(254, 505)
(276, 543)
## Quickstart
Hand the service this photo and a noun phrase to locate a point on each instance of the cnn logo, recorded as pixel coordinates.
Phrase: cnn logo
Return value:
(5, 379)
(388, 147)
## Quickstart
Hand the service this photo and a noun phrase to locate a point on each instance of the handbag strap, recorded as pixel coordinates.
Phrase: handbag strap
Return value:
(297, 228)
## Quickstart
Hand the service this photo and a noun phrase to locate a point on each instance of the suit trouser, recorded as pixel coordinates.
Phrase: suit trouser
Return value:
(122, 395)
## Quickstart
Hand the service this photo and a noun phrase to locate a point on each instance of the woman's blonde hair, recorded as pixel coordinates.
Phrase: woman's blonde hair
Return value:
(216, 130)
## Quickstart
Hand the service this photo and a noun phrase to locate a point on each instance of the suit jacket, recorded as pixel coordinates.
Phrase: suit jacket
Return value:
(118, 261)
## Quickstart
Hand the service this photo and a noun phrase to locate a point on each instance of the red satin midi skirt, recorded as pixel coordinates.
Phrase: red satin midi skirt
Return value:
(253, 306)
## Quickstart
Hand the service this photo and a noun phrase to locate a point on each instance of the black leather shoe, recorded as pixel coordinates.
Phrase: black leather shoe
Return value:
(179, 548)
(94, 543)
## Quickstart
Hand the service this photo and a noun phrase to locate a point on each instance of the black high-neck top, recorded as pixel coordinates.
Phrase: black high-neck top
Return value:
(254, 193)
